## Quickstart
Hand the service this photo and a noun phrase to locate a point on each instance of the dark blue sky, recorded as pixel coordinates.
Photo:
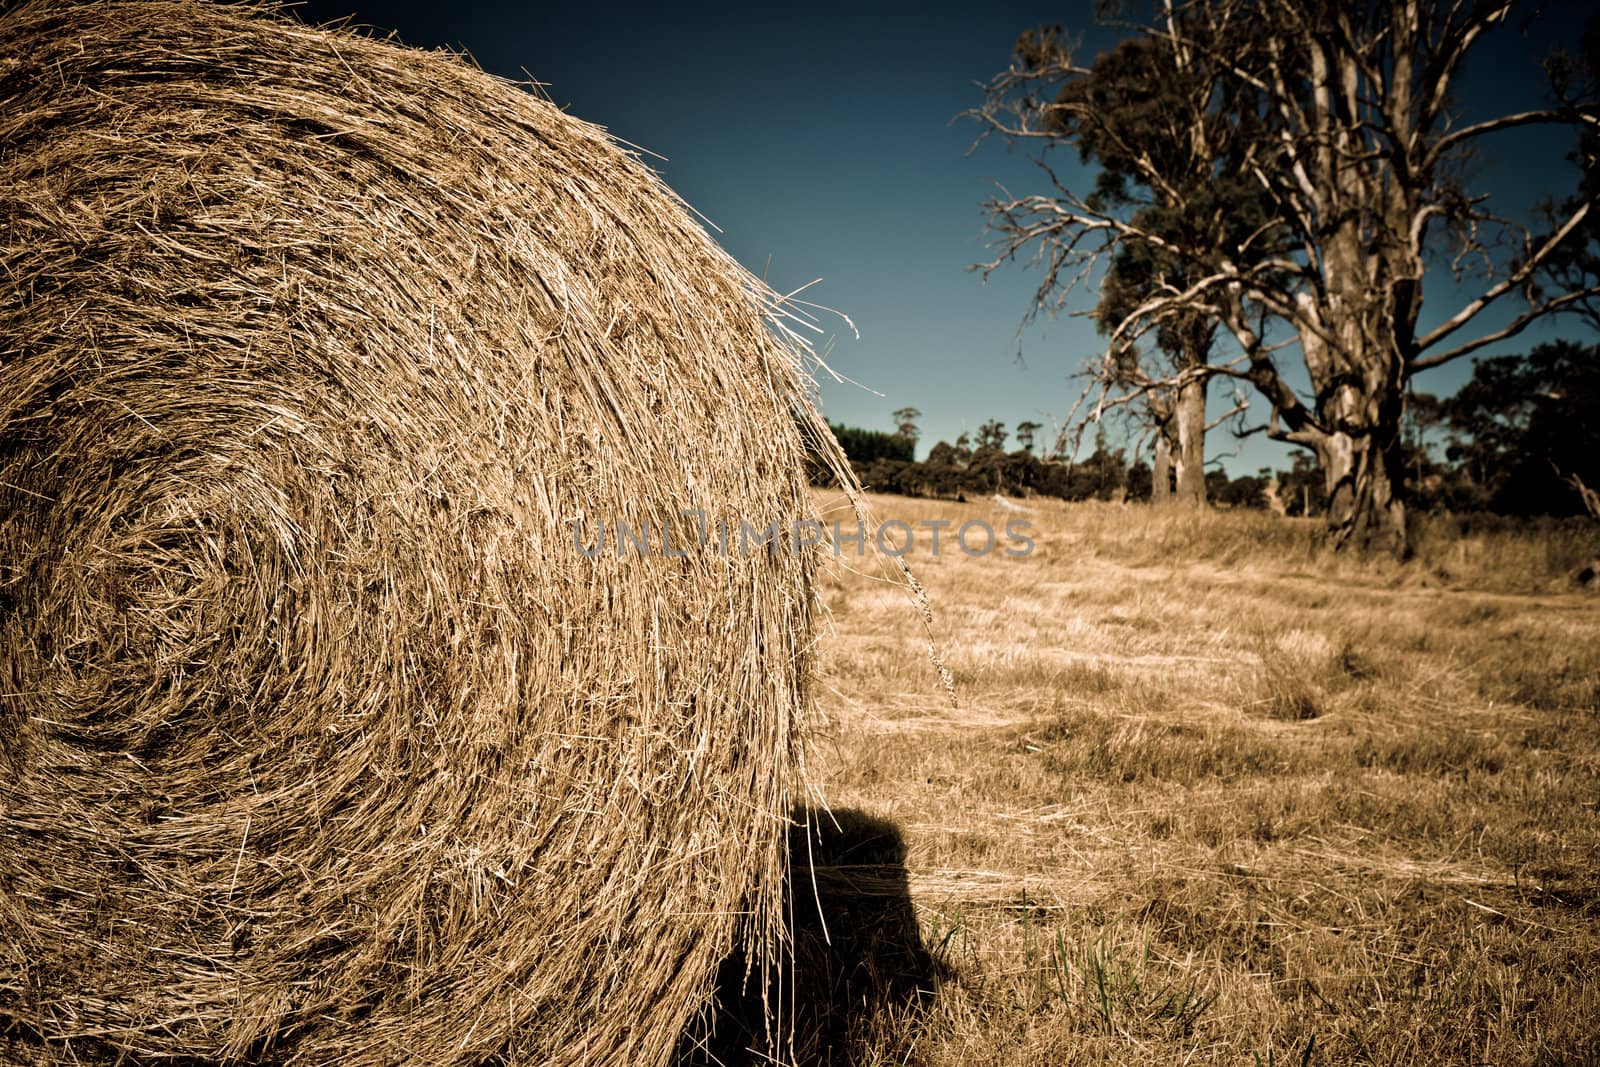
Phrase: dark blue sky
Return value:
(822, 141)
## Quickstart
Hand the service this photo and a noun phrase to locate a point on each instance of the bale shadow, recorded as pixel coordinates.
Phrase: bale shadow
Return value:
(858, 953)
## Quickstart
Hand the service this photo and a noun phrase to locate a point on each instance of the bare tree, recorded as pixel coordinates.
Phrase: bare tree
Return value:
(1131, 116)
(1341, 116)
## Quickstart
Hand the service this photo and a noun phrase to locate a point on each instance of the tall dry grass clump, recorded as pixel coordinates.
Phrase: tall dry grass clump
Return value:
(319, 740)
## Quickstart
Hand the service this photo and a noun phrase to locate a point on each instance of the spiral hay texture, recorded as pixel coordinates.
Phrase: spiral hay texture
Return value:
(320, 742)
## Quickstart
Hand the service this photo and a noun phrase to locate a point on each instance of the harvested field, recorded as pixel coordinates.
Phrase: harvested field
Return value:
(1214, 796)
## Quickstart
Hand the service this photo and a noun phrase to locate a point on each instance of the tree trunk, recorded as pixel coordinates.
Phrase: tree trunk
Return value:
(1359, 380)
(1590, 498)
(1161, 477)
(1190, 456)
(1365, 509)
(1275, 501)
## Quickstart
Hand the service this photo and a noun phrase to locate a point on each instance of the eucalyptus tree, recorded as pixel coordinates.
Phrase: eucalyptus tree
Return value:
(1309, 168)
(1026, 429)
(905, 424)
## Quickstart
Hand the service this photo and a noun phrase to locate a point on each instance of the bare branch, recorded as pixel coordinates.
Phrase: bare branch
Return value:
(1303, 438)
(1516, 326)
(1566, 115)
(1241, 404)
(1512, 281)
(1445, 60)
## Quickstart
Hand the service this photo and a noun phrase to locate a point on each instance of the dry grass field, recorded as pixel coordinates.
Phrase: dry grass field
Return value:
(1208, 796)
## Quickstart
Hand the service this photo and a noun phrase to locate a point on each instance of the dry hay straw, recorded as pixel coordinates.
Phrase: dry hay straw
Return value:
(319, 741)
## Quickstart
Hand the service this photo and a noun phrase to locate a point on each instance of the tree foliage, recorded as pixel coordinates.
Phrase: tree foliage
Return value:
(1026, 431)
(1525, 425)
(905, 424)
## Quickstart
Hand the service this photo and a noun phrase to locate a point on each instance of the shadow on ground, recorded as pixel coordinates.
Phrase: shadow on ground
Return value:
(858, 953)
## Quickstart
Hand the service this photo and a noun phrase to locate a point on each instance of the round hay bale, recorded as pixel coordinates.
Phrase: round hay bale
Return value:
(320, 740)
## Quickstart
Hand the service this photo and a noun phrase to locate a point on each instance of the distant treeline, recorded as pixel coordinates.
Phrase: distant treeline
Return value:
(866, 447)
(884, 463)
